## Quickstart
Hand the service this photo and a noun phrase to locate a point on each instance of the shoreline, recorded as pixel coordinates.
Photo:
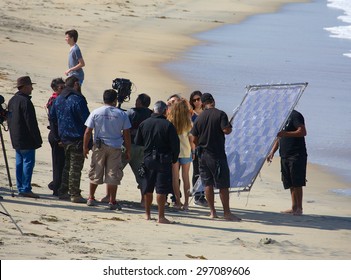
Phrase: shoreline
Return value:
(237, 67)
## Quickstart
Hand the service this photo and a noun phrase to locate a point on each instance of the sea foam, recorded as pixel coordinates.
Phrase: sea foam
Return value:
(342, 31)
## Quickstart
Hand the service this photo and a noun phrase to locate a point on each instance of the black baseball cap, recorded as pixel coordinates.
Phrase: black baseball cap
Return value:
(207, 97)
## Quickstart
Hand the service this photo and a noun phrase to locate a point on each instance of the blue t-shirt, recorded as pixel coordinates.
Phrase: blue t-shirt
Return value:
(73, 59)
(108, 123)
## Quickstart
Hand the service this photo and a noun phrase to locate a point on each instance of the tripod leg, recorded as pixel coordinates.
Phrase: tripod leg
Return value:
(7, 214)
(6, 163)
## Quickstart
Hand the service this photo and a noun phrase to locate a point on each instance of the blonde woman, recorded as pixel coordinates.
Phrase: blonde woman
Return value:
(180, 116)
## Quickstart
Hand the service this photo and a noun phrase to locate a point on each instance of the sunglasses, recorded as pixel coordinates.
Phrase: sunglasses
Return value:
(196, 99)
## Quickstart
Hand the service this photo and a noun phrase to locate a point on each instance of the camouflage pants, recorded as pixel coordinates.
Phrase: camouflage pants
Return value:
(72, 171)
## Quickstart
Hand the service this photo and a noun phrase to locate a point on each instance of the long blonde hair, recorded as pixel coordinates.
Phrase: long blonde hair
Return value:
(179, 116)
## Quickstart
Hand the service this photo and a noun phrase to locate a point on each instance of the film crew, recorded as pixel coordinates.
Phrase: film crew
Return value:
(123, 88)
(75, 58)
(57, 150)
(209, 131)
(161, 142)
(111, 128)
(69, 113)
(174, 98)
(179, 115)
(195, 103)
(293, 159)
(136, 115)
(25, 135)
(3, 118)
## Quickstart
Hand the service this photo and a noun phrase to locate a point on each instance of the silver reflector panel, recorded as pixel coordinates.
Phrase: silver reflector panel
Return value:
(260, 116)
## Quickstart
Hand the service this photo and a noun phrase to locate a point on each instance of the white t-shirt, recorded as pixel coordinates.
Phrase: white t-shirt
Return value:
(108, 123)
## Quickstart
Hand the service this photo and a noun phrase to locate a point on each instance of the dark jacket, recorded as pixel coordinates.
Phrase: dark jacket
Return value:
(23, 124)
(137, 116)
(69, 113)
(158, 133)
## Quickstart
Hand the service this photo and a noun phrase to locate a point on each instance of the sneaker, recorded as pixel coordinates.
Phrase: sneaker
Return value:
(114, 206)
(201, 202)
(105, 199)
(29, 194)
(78, 199)
(51, 185)
(91, 202)
(64, 196)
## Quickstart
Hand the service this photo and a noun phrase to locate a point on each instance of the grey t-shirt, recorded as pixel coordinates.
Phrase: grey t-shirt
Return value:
(73, 59)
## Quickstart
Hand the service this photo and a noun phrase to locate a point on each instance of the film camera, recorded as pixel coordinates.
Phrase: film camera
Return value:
(123, 88)
(3, 118)
(3, 110)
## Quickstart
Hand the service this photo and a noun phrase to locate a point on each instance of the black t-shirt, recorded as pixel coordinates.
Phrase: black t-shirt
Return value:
(137, 116)
(208, 127)
(293, 145)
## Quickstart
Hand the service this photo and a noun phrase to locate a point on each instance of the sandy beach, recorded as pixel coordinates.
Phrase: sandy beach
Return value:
(131, 39)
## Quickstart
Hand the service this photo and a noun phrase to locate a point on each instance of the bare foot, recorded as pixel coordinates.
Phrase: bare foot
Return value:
(185, 208)
(147, 217)
(298, 213)
(290, 211)
(177, 206)
(213, 215)
(164, 221)
(232, 218)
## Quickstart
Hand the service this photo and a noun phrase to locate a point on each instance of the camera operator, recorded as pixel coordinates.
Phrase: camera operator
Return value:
(25, 135)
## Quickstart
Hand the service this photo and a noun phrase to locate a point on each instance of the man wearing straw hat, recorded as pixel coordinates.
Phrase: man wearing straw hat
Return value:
(25, 135)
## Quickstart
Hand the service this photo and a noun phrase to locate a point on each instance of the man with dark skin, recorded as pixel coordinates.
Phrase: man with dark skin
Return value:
(209, 131)
(293, 154)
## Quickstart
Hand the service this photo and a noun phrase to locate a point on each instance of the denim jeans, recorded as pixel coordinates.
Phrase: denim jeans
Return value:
(25, 161)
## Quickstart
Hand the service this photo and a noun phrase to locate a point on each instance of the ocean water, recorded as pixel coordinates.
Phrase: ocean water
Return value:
(342, 31)
(304, 42)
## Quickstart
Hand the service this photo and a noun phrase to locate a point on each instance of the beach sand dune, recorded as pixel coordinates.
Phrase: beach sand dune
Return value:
(131, 39)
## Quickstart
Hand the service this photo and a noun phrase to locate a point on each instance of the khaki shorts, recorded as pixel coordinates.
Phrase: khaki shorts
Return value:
(105, 167)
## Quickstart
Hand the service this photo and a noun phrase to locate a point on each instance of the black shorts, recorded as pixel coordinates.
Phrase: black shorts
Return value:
(293, 170)
(157, 175)
(214, 172)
